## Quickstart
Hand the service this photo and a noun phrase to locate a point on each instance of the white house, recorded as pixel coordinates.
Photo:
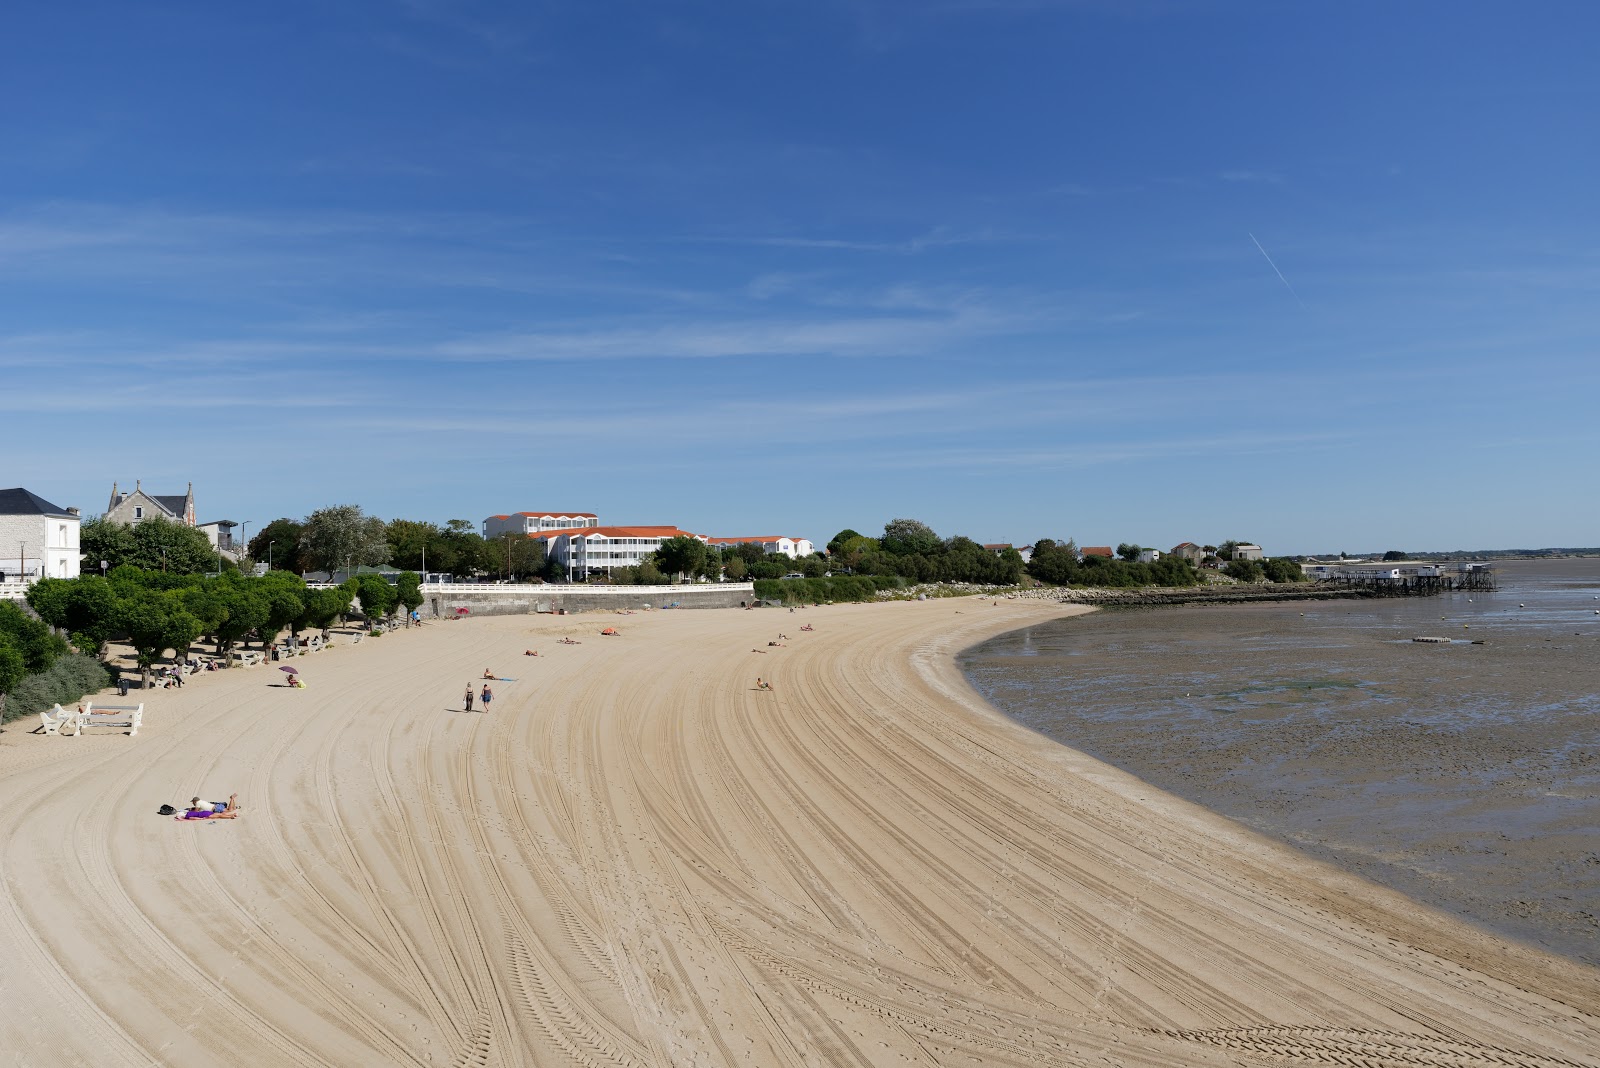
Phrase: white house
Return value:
(1149, 556)
(219, 532)
(596, 550)
(1247, 552)
(770, 543)
(537, 522)
(43, 537)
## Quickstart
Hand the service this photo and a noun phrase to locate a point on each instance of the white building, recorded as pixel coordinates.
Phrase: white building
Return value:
(37, 539)
(537, 522)
(600, 550)
(1247, 552)
(219, 532)
(1149, 556)
(793, 548)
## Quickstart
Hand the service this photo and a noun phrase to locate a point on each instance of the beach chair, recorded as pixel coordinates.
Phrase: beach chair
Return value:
(248, 659)
(129, 716)
(52, 721)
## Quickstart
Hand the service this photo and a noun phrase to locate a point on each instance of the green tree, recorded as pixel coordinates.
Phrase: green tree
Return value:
(681, 556)
(12, 669)
(156, 621)
(164, 545)
(247, 611)
(284, 607)
(1245, 570)
(28, 636)
(734, 570)
(409, 591)
(812, 566)
(837, 541)
(322, 607)
(1394, 554)
(411, 543)
(1282, 569)
(100, 539)
(343, 534)
(1129, 552)
(377, 596)
(907, 537)
(278, 545)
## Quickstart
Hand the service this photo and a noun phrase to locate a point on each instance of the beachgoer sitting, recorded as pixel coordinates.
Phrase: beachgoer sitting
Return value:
(230, 811)
(489, 674)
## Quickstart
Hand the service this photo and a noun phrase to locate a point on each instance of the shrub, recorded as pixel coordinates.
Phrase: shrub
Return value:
(63, 683)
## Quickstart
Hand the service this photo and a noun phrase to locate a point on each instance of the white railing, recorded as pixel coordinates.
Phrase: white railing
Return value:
(556, 589)
(14, 591)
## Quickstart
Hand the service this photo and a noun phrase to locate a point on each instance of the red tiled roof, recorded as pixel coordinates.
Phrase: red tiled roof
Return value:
(754, 540)
(617, 532)
(1097, 550)
(996, 546)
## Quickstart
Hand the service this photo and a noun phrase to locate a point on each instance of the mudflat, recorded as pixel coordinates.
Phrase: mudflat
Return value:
(636, 857)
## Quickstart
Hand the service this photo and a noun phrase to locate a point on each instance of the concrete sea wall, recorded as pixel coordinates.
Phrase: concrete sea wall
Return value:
(440, 601)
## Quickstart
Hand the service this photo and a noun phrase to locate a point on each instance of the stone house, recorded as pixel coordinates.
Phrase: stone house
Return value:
(131, 508)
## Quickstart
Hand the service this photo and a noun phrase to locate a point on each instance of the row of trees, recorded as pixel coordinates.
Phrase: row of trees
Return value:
(158, 611)
(1057, 564)
(330, 538)
(910, 549)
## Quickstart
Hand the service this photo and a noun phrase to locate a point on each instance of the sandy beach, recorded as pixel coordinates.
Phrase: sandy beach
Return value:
(638, 858)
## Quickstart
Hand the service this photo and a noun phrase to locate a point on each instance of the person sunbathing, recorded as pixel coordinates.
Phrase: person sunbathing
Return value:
(529, 652)
(229, 812)
(490, 675)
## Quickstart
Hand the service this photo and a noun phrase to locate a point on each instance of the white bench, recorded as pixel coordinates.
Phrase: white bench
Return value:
(53, 720)
(129, 716)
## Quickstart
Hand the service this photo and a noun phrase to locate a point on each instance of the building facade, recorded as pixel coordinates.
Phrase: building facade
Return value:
(1189, 551)
(537, 522)
(793, 548)
(1247, 552)
(37, 539)
(137, 506)
(600, 550)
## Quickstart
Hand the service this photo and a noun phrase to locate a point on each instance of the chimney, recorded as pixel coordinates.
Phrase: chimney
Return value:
(73, 511)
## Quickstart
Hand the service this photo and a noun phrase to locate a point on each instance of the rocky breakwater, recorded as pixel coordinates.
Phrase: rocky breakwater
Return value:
(1155, 596)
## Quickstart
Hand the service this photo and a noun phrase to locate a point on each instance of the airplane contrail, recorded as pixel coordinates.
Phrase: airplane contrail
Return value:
(1279, 273)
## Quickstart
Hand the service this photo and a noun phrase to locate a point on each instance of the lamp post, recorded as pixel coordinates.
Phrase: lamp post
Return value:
(244, 539)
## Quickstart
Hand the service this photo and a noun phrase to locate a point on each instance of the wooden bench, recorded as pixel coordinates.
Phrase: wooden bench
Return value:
(129, 716)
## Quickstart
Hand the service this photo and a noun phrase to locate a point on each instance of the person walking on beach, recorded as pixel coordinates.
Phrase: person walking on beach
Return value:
(469, 697)
(487, 695)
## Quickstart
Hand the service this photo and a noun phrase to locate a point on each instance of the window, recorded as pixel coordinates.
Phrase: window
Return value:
(138, 511)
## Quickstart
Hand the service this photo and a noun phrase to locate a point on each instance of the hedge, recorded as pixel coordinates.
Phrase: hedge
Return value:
(63, 683)
(818, 590)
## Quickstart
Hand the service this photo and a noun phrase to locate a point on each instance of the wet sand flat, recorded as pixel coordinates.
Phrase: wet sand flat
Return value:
(1467, 776)
(637, 858)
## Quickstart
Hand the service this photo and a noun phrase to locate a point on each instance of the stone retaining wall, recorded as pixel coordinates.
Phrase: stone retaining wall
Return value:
(526, 600)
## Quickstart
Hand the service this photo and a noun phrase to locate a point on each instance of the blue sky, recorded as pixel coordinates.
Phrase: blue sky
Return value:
(766, 267)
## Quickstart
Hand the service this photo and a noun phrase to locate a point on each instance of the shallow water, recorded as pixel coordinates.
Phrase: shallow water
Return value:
(1467, 776)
